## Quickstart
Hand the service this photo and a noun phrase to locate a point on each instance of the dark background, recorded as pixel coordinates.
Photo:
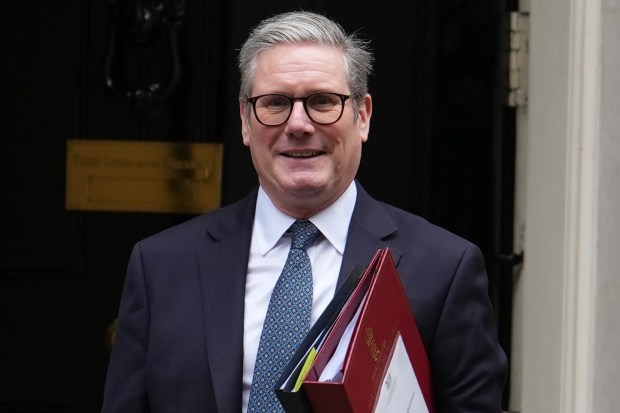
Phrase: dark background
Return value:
(440, 146)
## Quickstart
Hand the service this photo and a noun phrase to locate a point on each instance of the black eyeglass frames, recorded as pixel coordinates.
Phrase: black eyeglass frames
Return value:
(274, 109)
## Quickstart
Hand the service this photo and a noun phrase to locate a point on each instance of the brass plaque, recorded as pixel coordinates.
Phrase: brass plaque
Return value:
(109, 175)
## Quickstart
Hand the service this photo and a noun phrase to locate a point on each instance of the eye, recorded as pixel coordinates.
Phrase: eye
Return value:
(323, 101)
(273, 103)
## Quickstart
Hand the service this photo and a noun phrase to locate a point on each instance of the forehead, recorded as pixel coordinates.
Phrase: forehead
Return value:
(302, 67)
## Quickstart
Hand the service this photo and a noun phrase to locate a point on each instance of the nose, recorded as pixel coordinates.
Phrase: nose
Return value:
(299, 124)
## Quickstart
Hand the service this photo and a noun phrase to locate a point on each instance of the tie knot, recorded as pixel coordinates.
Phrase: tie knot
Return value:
(304, 232)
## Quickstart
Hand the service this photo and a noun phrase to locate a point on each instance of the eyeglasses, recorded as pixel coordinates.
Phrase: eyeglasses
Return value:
(323, 108)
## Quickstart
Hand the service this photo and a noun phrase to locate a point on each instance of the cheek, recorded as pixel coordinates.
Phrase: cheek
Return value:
(344, 153)
(351, 151)
(260, 141)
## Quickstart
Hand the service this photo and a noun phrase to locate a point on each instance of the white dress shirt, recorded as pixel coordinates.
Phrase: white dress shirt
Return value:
(268, 251)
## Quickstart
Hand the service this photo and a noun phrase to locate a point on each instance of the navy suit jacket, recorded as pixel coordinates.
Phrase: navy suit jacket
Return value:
(179, 345)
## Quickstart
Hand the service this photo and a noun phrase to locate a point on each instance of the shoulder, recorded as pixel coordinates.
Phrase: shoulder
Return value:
(419, 247)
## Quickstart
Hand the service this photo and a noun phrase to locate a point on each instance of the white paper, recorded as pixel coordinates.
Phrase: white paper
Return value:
(333, 368)
(400, 391)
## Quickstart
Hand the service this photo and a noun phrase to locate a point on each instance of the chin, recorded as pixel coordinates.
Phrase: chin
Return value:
(305, 183)
(305, 189)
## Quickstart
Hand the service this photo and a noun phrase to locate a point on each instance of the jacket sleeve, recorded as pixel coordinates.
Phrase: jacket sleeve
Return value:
(469, 366)
(125, 388)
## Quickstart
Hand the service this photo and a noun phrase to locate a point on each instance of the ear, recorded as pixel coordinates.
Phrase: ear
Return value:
(245, 121)
(363, 117)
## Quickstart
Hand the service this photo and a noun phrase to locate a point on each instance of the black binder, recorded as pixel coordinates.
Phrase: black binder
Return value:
(296, 401)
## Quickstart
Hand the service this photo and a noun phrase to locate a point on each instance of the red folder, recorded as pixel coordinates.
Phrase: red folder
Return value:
(384, 317)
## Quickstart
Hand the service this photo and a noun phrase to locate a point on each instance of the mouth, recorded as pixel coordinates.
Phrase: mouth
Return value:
(301, 154)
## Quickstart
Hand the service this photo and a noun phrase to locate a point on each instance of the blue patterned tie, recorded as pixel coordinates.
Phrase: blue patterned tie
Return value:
(287, 321)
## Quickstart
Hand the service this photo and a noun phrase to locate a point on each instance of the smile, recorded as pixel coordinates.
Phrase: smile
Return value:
(301, 154)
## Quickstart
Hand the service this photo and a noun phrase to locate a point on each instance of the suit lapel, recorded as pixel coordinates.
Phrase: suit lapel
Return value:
(223, 264)
(370, 226)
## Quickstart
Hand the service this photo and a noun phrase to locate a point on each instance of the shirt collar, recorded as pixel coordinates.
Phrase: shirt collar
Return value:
(333, 222)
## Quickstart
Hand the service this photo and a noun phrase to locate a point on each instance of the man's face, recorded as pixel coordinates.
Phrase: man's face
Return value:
(304, 166)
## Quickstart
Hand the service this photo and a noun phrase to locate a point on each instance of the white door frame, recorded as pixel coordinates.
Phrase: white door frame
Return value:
(556, 211)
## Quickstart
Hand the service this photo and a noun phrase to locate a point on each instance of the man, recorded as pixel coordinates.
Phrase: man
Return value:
(197, 296)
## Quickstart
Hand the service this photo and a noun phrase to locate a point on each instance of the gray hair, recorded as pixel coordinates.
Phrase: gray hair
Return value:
(307, 27)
